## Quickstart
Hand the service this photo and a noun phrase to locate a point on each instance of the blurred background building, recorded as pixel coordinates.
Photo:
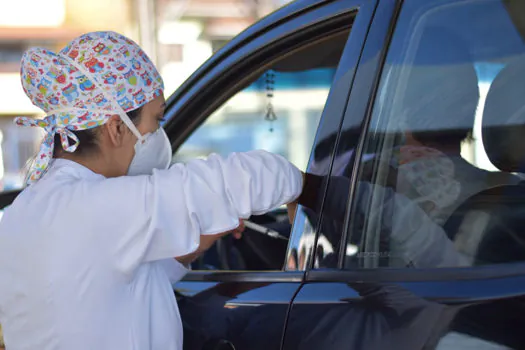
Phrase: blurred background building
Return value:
(190, 31)
(50, 24)
(179, 35)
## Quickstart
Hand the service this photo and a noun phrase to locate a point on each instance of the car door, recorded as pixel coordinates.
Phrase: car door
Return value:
(246, 303)
(428, 250)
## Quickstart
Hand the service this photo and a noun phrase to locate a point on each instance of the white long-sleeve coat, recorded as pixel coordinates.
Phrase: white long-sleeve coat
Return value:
(86, 261)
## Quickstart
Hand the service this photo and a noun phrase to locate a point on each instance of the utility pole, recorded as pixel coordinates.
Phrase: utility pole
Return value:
(147, 21)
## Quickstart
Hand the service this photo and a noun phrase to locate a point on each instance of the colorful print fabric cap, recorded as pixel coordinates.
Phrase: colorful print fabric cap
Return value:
(95, 76)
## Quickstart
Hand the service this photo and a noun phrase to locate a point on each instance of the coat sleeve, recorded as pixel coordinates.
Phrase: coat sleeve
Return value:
(149, 218)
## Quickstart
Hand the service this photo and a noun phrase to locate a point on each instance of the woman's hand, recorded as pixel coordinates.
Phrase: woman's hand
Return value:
(237, 233)
(207, 241)
(292, 209)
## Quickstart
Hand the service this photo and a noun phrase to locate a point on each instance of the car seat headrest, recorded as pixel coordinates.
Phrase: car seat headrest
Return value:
(503, 127)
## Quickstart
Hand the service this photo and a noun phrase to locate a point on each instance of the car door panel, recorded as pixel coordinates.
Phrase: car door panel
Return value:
(365, 307)
(362, 315)
(250, 315)
(406, 315)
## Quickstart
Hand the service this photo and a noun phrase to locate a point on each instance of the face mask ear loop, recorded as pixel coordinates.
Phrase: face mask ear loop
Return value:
(124, 117)
(122, 114)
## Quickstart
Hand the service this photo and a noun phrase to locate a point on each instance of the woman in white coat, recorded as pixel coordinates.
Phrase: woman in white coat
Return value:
(90, 249)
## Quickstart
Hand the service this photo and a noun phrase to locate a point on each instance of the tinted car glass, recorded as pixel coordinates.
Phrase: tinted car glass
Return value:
(439, 178)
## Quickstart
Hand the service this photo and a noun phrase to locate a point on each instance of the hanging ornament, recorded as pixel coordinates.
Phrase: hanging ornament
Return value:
(270, 112)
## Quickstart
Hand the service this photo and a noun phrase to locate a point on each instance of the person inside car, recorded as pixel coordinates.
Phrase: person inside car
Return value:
(90, 249)
(438, 111)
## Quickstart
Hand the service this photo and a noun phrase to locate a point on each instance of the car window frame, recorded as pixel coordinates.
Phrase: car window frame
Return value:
(339, 10)
(344, 79)
(359, 107)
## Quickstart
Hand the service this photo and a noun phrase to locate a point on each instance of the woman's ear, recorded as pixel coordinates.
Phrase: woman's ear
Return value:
(116, 130)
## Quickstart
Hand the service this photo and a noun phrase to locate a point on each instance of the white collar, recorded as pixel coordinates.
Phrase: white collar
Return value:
(65, 166)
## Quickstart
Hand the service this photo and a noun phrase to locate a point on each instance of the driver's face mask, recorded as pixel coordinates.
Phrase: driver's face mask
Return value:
(426, 176)
(152, 151)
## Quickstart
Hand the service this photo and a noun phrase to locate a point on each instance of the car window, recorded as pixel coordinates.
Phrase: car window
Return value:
(279, 111)
(439, 176)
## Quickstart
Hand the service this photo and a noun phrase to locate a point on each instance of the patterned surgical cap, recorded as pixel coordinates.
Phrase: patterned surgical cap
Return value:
(96, 76)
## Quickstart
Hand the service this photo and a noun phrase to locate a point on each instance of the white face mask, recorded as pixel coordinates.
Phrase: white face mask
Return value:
(152, 151)
(426, 175)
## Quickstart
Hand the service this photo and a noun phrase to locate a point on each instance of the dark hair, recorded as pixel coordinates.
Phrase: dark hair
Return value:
(88, 138)
(450, 137)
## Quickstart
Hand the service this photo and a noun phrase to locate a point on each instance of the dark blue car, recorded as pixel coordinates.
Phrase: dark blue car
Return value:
(409, 117)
